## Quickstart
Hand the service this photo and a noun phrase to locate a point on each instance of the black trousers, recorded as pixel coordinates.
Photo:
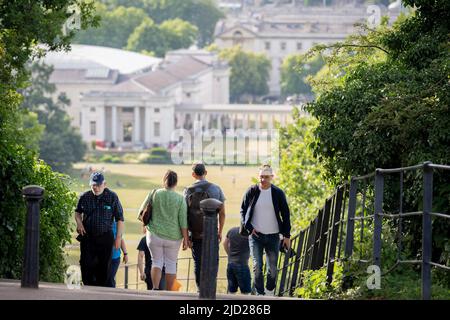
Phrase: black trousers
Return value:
(95, 259)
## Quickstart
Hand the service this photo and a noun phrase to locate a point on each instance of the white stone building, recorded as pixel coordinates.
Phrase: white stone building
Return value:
(280, 30)
(132, 100)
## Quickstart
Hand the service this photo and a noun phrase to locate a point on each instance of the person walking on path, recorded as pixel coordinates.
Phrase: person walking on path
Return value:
(265, 215)
(238, 273)
(167, 230)
(95, 213)
(201, 189)
(115, 259)
(145, 265)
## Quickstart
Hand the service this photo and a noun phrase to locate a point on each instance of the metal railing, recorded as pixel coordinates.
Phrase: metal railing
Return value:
(331, 236)
(187, 278)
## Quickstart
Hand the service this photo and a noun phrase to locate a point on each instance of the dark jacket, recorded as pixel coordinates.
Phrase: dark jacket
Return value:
(280, 206)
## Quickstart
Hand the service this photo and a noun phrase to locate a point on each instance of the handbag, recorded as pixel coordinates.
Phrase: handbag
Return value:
(145, 215)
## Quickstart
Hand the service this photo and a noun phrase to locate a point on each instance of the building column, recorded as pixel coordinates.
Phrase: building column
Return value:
(219, 121)
(102, 125)
(245, 121)
(258, 121)
(147, 126)
(136, 125)
(270, 124)
(114, 124)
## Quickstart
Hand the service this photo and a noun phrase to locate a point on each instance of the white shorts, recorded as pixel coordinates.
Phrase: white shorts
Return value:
(164, 252)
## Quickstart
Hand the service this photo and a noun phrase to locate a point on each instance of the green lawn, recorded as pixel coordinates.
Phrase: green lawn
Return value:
(132, 182)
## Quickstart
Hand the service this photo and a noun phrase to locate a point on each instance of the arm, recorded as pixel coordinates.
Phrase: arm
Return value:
(286, 220)
(221, 221)
(118, 240)
(141, 256)
(79, 221)
(244, 207)
(182, 220)
(124, 250)
(226, 245)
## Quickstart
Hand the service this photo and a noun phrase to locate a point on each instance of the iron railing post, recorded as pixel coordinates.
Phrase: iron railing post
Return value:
(427, 230)
(378, 208)
(30, 270)
(126, 277)
(210, 249)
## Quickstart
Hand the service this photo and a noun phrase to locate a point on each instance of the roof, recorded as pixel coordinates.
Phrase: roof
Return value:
(101, 58)
(154, 81)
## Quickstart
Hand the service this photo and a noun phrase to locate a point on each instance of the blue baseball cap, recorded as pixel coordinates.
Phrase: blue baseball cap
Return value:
(96, 178)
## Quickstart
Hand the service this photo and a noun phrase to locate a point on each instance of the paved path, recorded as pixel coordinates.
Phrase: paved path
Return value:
(11, 290)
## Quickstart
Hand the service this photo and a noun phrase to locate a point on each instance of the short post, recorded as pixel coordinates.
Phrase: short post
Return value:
(126, 277)
(378, 219)
(30, 271)
(427, 230)
(210, 249)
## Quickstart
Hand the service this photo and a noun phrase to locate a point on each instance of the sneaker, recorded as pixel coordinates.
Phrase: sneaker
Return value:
(270, 293)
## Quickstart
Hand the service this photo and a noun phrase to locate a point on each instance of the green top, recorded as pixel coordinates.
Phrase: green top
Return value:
(169, 214)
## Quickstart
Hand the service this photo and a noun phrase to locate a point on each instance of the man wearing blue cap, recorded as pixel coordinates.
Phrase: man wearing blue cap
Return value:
(95, 213)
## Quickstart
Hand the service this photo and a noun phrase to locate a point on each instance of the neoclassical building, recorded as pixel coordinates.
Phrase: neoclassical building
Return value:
(280, 29)
(140, 101)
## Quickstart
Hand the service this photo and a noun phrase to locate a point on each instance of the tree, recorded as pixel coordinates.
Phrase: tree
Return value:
(170, 35)
(179, 33)
(383, 102)
(204, 14)
(249, 72)
(61, 144)
(300, 174)
(23, 25)
(115, 28)
(294, 74)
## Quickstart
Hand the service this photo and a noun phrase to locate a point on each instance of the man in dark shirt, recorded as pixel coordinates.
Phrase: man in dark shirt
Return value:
(95, 213)
(238, 272)
(144, 253)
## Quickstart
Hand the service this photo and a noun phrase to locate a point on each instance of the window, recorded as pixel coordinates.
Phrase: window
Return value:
(93, 128)
(127, 132)
(92, 109)
(299, 46)
(267, 45)
(283, 45)
(156, 110)
(188, 94)
(237, 38)
(156, 129)
(128, 110)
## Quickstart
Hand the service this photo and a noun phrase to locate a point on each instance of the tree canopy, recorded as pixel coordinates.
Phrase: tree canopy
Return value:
(249, 72)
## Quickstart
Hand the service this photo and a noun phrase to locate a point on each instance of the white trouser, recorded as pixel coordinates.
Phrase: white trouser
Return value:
(164, 252)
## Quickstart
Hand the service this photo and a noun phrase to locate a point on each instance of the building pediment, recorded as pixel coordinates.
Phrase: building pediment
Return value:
(238, 31)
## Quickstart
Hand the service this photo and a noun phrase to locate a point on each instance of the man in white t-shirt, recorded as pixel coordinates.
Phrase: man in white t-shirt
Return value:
(265, 215)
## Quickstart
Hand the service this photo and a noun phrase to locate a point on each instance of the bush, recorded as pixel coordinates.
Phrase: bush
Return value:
(157, 155)
(315, 284)
(108, 158)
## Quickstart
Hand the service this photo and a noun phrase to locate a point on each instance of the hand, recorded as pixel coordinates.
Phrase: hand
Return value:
(287, 243)
(219, 235)
(254, 233)
(117, 243)
(125, 258)
(185, 243)
(143, 276)
(80, 229)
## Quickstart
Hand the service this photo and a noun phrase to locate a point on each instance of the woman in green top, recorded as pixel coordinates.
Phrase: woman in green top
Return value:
(166, 230)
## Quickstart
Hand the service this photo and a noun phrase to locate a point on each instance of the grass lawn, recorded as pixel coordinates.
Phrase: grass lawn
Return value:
(132, 182)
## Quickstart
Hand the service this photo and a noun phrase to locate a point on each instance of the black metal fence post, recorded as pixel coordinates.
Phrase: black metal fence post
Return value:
(426, 230)
(126, 277)
(350, 236)
(334, 234)
(378, 208)
(210, 249)
(30, 272)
